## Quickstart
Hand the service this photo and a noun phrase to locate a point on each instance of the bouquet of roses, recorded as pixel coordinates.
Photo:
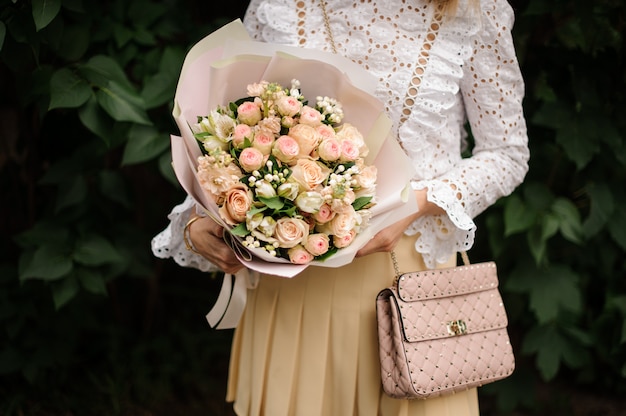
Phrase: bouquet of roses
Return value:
(295, 183)
(289, 178)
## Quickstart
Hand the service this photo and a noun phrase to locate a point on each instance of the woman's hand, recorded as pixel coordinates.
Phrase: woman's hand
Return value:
(206, 237)
(387, 239)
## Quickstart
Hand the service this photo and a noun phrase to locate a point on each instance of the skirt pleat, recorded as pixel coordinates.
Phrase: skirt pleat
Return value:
(308, 346)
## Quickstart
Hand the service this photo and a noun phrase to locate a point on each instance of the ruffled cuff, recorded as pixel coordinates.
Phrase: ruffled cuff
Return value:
(441, 236)
(169, 242)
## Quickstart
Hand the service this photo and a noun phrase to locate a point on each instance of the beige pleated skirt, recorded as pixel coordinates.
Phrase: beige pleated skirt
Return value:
(307, 346)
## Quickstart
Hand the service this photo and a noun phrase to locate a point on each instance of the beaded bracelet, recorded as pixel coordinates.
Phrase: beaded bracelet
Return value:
(187, 235)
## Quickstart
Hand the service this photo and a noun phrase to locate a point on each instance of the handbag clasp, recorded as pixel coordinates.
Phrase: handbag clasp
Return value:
(457, 327)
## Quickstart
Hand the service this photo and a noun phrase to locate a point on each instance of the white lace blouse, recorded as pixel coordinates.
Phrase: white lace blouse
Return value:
(436, 73)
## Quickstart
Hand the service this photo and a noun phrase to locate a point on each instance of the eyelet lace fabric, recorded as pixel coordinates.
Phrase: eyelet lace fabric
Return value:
(435, 75)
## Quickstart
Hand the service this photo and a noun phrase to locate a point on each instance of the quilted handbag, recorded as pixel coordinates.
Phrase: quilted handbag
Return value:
(442, 331)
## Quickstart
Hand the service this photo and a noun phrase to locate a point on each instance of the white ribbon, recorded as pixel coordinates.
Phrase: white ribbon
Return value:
(231, 301)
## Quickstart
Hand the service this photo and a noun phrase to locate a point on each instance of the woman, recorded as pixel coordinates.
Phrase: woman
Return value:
(308, 345)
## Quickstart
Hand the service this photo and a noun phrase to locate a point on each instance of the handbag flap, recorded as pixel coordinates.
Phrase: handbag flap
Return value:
(429, 284)
(450, 302)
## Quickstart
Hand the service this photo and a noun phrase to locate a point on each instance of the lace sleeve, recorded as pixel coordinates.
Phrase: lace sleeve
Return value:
(169, 242)
(251, 20)
(492, 90)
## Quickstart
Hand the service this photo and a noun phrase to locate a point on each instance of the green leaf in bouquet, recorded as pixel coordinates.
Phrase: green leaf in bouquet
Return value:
(48, 262)
(256, 210)
(290, 210)
(44, 11)
(361, 202)
(95, 250)
(68, 90)
(202, 135)
(240, 230)
(276, 203)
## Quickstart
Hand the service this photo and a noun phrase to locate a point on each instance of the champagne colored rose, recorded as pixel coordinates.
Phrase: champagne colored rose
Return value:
(329, 150)
(310, 116)
(237, 202)
(344, 241)
(251, 159)
(341, 224)
(299, 255)
(349, 132)
(263, 140)
(326, 131)
(324, 214)
(240, 134)
(288, 106)
(367, 177)
(317, 244)
(349, 151)
(286, 149)
(249, 113)
(309, 174)
(291, 231)
(306, 136)
(309, 202)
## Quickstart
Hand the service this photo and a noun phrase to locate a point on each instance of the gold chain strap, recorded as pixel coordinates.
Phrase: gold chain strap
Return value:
(396, 268)
(329, 32)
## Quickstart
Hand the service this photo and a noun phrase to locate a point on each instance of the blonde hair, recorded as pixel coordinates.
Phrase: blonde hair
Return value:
(449, 7)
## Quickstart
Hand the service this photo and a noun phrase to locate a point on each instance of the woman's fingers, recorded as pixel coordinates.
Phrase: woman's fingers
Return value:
(206, 237)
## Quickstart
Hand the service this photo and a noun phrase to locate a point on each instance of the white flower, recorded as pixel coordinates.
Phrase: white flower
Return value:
(264, 189)
(309, 202)
(288, 190)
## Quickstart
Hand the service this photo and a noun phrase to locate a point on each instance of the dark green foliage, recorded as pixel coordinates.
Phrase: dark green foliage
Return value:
(93, 324)
(560, 239)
